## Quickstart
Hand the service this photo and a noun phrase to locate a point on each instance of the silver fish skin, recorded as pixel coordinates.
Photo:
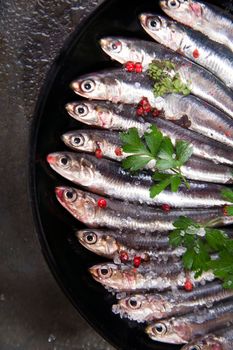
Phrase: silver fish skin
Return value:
(206, 18)
(200, 81)
(108, 178)
(190, 113)
(121, 215)
(109, 142)
(182, 329)
(194, 45)
(221, 340)
(149, 307)
(117, 86)
(107, 244)
(120, 278)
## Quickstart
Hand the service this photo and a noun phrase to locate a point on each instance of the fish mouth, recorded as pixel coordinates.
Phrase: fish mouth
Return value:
(75, 85)
(162, 4)
(143, 18)
(104, 42)
(51, 159)
(94, 272)
(70, 107)
(59, 193)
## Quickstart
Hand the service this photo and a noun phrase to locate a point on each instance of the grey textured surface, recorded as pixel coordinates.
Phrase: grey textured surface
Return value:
(34, 313)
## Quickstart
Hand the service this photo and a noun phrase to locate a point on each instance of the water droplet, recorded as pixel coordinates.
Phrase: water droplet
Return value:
(51, 338)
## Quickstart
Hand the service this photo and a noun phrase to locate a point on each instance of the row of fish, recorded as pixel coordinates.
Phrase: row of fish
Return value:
(126, 225)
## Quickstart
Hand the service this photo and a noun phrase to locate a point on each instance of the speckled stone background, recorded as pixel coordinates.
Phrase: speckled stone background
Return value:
(34, 313)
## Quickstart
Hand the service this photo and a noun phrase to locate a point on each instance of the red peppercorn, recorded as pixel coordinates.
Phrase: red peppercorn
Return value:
(196, 53)
(124, 256)
(147, 108)
(129, 66)
(228, 133)
(118, 152)
(144, 101)
(138, 67)
(188, 286)
(137, 261)
(140, 111)
(166, 208)
(99, 153)
(156, 112)
(102, 203)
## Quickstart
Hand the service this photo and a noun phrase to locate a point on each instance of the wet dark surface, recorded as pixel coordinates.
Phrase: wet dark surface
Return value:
(34, 313)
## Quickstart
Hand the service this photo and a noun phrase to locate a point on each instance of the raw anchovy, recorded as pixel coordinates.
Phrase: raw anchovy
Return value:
(121, 215)
(221, 340)
(118, 86)
(200, 81)
(127, 279)
(108, 244)
(208, 19)
(182, 329)
(194, 45)
(110, 145)
(108, 178)
(149, 307)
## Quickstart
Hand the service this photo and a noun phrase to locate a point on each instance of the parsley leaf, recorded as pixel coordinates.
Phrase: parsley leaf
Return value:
(154, 146)
(205, 249)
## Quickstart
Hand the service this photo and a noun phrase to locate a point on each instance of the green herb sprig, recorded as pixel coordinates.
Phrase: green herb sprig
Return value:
(153, 146)
(165, 79)
(227, 194)
(206, 249)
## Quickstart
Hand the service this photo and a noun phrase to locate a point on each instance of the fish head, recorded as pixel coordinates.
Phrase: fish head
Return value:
(98, 242)
(137, 307)
(208, 342)
(121, 49)
(99, 86)
(90, 113)
(80, 204)
(80, 141)
(110, 275)
(73, 167)
(167, 331)
(163, 30)
(186, 11)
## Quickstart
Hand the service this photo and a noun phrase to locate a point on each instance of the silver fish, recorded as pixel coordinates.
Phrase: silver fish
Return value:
(182, 329)
(111, 147)
(221, 340)
(200, 81)
(109, 244)
(108, 178)
(121, 278)
(121, 215)
(149, 307)
(192, 44)
(118, 86)
(206, 18)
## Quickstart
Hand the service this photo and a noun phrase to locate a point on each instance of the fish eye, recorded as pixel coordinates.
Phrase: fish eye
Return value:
(116, 46)
(133, 303)
(81, 110)
(70, 195)
(154, 24)
(173, 4)
(88, 85)
(78, 140)
(105, 272)
(64, 161)
(90, 237)
(160, 329)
